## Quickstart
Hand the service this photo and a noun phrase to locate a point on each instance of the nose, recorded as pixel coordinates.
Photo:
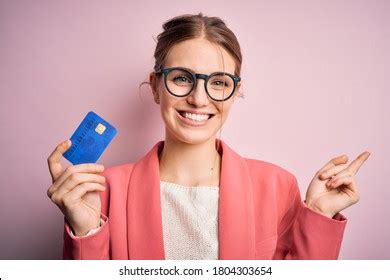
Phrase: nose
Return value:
(198, 97)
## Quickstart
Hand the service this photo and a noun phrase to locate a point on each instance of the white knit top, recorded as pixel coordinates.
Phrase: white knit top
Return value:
(190, 221)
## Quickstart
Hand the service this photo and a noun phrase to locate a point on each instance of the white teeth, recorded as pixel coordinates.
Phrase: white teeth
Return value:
(196, 117)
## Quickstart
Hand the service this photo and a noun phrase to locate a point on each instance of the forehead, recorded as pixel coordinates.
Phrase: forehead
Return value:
(201, 56)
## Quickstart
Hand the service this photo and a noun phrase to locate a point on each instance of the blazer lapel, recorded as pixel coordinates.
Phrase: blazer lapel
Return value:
(236, 232)
(236, 218)
(144, 219)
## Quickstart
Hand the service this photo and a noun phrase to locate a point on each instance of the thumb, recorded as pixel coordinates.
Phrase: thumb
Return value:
(53, 161)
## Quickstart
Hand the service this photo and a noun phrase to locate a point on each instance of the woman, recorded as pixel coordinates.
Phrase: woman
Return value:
(191, 196)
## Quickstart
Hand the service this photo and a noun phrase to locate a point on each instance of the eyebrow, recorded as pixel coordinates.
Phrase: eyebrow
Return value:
(191, 70)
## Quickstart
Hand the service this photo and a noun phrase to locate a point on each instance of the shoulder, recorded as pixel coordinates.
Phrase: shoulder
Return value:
(121, 173)
(271, 175)
(118, 172)
(260, 171)
(268, 169)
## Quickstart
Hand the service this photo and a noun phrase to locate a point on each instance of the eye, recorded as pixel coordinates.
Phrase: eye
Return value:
(181, 79)
(220, 83)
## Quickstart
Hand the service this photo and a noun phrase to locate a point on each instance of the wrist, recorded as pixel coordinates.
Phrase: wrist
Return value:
(83, 232)
(317, 209)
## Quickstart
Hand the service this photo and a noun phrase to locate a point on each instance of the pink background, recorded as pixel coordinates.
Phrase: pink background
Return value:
(313, 78)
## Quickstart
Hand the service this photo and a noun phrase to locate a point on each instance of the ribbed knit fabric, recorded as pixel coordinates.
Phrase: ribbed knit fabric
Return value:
(190, 221)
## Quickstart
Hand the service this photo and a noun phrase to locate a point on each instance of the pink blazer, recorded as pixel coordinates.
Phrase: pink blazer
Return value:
(260, 215)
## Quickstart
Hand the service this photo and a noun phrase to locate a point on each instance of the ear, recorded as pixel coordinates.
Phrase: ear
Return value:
(152, 82)
(236, 91)
(153, 85)
(238, 87)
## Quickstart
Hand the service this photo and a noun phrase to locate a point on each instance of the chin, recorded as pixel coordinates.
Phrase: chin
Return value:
(192, 138)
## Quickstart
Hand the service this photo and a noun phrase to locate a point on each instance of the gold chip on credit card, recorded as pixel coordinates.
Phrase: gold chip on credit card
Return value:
(100, 128)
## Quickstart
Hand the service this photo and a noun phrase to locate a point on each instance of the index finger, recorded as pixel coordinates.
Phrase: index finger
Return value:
(53, 161)
(334, 161)
(358, 162)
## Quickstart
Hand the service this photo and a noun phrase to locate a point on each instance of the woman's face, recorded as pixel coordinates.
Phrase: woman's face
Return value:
(200, 56)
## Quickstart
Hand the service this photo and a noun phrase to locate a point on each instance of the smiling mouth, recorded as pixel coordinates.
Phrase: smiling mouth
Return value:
(195, 117)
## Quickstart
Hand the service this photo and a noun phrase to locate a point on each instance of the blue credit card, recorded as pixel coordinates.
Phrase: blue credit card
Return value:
(90, 139)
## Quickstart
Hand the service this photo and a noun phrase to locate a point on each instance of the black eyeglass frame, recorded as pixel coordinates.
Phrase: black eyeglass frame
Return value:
(195, 77)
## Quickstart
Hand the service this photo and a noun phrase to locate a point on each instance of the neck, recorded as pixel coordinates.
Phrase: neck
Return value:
(190, 164)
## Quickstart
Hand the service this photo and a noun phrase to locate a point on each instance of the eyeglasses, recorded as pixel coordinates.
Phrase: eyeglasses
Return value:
(180, 82)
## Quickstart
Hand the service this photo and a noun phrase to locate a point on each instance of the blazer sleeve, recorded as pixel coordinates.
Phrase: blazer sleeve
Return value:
(305, 234)
(92, 247)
